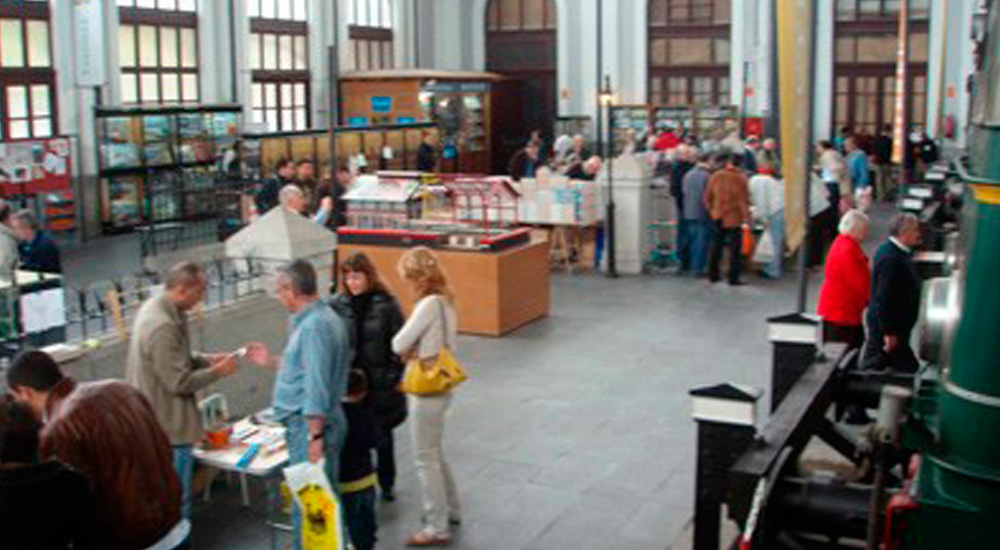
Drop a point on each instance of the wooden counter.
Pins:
(496, 292)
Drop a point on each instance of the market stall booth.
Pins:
(475, 111)
(499, 274)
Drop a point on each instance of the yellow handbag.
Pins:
(438, 375)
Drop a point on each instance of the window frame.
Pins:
(706, 29)
(494, 16)
(26, 75)
(293, 28)
(159, 19)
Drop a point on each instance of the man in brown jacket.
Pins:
(162, 366)
(727, 200)
(107, 432)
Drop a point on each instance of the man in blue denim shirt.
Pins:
(312, 377)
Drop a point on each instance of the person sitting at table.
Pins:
(38, 252)
(43, 504)
(109, 433)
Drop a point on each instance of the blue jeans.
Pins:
(297, 439)
(698, 237)
(183, 458)
(776, 224)
(359, 511)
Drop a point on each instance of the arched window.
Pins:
(370, 33)
(27, 79)
(521, 44)
(158, 50)
(866, 39)
(689, 52)
(279, 63)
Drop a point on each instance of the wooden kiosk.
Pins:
(495, 292)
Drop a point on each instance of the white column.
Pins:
(740, 30)
(322, 29)
(613, 17)
(213, 51)
(112, 92)
(449, 35)
(635, 53)
(935, 76)
(241, 62)
(477, 28)
(402, 28)
(765, 60)
(960, 42)
(823, 81)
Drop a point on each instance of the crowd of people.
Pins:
(117, 457)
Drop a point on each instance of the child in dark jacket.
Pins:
(357, 474)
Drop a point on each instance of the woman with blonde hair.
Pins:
(432, 326)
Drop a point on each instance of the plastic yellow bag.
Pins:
(321, 526)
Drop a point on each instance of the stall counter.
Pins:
(495, 292)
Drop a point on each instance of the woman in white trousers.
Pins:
(432, 326)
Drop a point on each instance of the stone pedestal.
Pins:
(631, 178)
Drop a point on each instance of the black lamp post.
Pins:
(608, 149)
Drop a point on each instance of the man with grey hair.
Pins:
(37, 251)
(162, 366)
(293, 199)
(895, 301)
(311, 375)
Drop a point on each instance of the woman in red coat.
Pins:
(847, 285)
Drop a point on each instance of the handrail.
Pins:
(966, 176)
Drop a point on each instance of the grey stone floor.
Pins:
(574, 431)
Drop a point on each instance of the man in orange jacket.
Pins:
(727, 199)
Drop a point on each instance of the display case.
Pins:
(574, 126)
(159, 163)
(629, 122)
(681, 119)
(383, 147)
(478, 113)
(711, 119)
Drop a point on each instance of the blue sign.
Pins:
(356, 121)
(381, 104)
(406, 120)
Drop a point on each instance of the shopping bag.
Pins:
(321, 526)
(747, 241)
(764, 252)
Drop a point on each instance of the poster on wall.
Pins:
(35, 165)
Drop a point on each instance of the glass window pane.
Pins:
(270, 95)
(254, 51)
(267, 9)
(285, 52)
(19, 129)
(11, 45)
(690, 51)
(286, 96)
(272, 119)
(300, 10)
(257, 116)
(287, 119)
(658, 13)
(918, 47)
(722, 9)
(301, 53)
(189, 47)
(168, 47)
(493, 16)
(510, 14)
(253, 8)
(534, 14)
(388, 60)
(300, 95)
(285, 9)
(301, 123)
(147, 4)
(17, 101)
(130, 90)
(363, 62)
(126, 45)
(41, 104)
(169, 5)
(42, 127)
(126, 2)
(721, 51)
(171, 87)
(877, 49)
(150, 87)
(38, 44)
(187, 5)
(189, 86)
(147, 46)
(257, 96)
(658, 52)
(270, 51)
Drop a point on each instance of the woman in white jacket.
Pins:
(432, 326)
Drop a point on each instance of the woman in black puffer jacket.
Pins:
(373, 317)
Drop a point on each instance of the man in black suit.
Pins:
(895, 301)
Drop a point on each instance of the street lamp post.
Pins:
(607, 101)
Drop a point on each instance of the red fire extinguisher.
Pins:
(949, 126)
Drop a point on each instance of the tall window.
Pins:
(279, 61)
(158, 50)
(370, 32)
(689, 52)
(865, 63)
(27, 79)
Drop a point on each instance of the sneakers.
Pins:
(425, 538)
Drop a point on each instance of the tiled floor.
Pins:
(573, 433)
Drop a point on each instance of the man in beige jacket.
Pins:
(162, 366)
